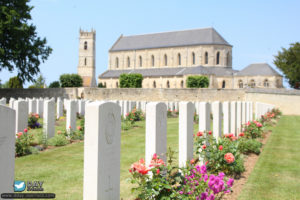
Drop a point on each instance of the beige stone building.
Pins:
(86, 62)
(166, 60)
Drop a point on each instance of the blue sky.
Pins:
(256, 29)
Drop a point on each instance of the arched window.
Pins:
(278, 83)
(154, 84)
(228, 59)
(193, 58)
(128, 62)
(166, 60)
(241, 85)
(179, 59)
(152, 60)
(181, 84)
(206, 58)
(117, 62)
(168, 84)
(85, 45)
(252, 83)
(266, 83)
(223, 84)
(218, 58)
(117, 84)
(84, 61)
(141, 61)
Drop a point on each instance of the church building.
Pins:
(166, 60)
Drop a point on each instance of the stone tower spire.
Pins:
(87, 65)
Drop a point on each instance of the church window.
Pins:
(152, 60)
(141, 61)
(252, 83)
(128, 62)
(266, 83)
(154, 84)
(218, 58)
(206, 58)
(278, 83)
(223, 84)
(179, 59)
(181, 84)
(193, 58)
(117, 84)
(117, 62)
(85, 45)
(84, 61)
(166, 60)
(241, 84)
(228, 59)
(168, 84)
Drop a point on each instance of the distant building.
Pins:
(86, 65)
(166, 60)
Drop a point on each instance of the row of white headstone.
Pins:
(102, 142)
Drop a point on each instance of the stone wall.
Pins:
(287, 100)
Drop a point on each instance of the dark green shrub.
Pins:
(131, 80)
(54, 84)
(70, 80)
(247, 146)
(100, 85)
(15, 82)
(197, 82)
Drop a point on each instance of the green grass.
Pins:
(276, 175)
(61, 168)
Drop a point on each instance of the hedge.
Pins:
(197, 82)
(131, 80)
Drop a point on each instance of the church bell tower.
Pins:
(86, 65)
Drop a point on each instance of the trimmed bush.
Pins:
(100, 85)
(15, 82)
(54, 84)
(197, 82)
(131, 80)
(70, 80)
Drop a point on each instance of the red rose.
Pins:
(157, 171)
(242, 134)
(192, 161)
(220, 147)
(25, 130)
(209, 132)
(229, 157)
(199, 134)
(204, 146)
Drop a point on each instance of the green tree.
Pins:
(197, 82)
(20, 47)
(131, 80)
(39, 82)
(70, 80)
(15, 82)
(288, 61)
(54, 84)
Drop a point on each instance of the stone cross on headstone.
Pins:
(102, 147)
(7, 148)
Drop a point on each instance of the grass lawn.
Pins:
(277, 172)
(61, 168)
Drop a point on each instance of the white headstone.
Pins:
(21, 107)
(49, 118)
(138, 105)
(204, 116)
(238, 117)
(217, 119)
(40, 107)
(247, 111)
(81, 107)
(3, 101)
(11, 103)
(244, 113)
(7, 149)
(71, 115)
(226, 117)
(233, 117)
(59, 108)
(186, 129)
(156, 130)
(176, 104)
(126, 108)
(143, 106)
(32, 106)
(102, 147)
(251, 110)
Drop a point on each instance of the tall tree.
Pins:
(288, 61)
(20, 47)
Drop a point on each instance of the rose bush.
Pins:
(33, 121)
(23, 142)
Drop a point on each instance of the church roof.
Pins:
(258, 69)
(171, 71)
(204, 36)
